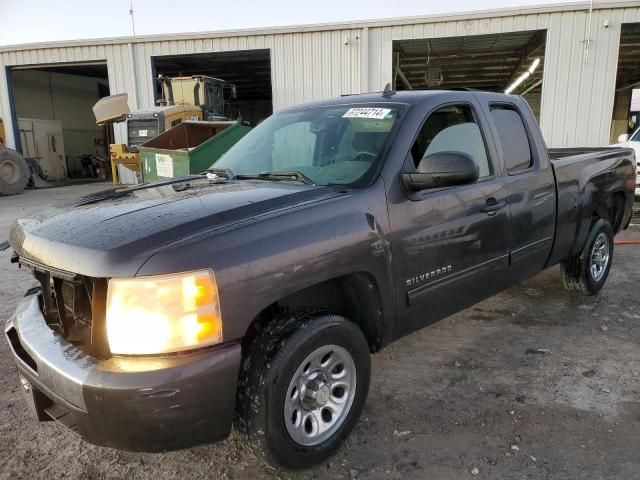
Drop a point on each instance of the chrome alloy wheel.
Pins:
(320, 395)
(599, 256)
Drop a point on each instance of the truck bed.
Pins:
(577, 172)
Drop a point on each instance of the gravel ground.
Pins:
(530, 384)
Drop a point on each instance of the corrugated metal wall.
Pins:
(305, 66)
(577, 98)
(116, 56)
(577, 93)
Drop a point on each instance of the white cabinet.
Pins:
(42, 140)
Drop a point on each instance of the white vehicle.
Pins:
(632, 142)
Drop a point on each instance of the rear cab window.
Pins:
(513, 138)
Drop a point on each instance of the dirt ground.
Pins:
(530, 384)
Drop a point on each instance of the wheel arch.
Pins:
(611, 208)
(356, 296)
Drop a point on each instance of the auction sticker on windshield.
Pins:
(376, 113)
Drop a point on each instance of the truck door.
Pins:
(449, 244)
(530, 185)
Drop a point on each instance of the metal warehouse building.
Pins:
(581, 63)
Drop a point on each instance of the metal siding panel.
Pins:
(278, 63)
(324, 76)
(307, 67)
(576, 76)
(356, 64)
(507, 24)
(495, 25)
(631, 15)
(386, 72)
(430, 30)
(543, 20)
(375, 57)
(557, 54)
(549, 79)
(530, 22)
(603, 61)
(519, 23)
(468, 27)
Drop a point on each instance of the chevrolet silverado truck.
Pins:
(254, 295)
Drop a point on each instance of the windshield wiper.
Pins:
(279, 176)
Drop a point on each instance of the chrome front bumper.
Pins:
(131, 403)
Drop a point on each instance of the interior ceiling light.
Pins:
(524, 76)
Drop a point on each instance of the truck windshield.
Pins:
(635, 137)
(328, 145)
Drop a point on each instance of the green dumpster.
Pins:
(188, 148)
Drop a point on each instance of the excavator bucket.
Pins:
(111, 109)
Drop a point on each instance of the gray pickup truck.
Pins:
(254, 295)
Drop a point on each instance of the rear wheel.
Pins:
(14, 172)
(302, 388)
(587, 273)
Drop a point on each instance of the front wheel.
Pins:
(303, 385)
(587, 273)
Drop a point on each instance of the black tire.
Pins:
(14, 172)
(577, 274)
(267, 374)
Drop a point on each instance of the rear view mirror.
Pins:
(624, 138)
(442, 169)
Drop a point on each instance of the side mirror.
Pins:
(442, 169)
(624, 138)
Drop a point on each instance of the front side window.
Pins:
(452, 129)
(513, 138)
(329, 145)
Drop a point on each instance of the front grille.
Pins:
(141, 130)
(66, 301)
(69, 303)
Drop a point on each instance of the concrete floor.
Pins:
(530, 384)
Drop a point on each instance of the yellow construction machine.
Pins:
(191, 98)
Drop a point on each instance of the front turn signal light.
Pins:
(163, 314)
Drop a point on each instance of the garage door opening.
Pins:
(626, 107)
(53, 119)
(511, 62)
(249, 71)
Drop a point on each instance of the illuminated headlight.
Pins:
(163, 314)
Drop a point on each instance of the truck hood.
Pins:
(112, 233)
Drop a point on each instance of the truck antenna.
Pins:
(388, 91)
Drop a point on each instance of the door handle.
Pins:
(492, 205)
